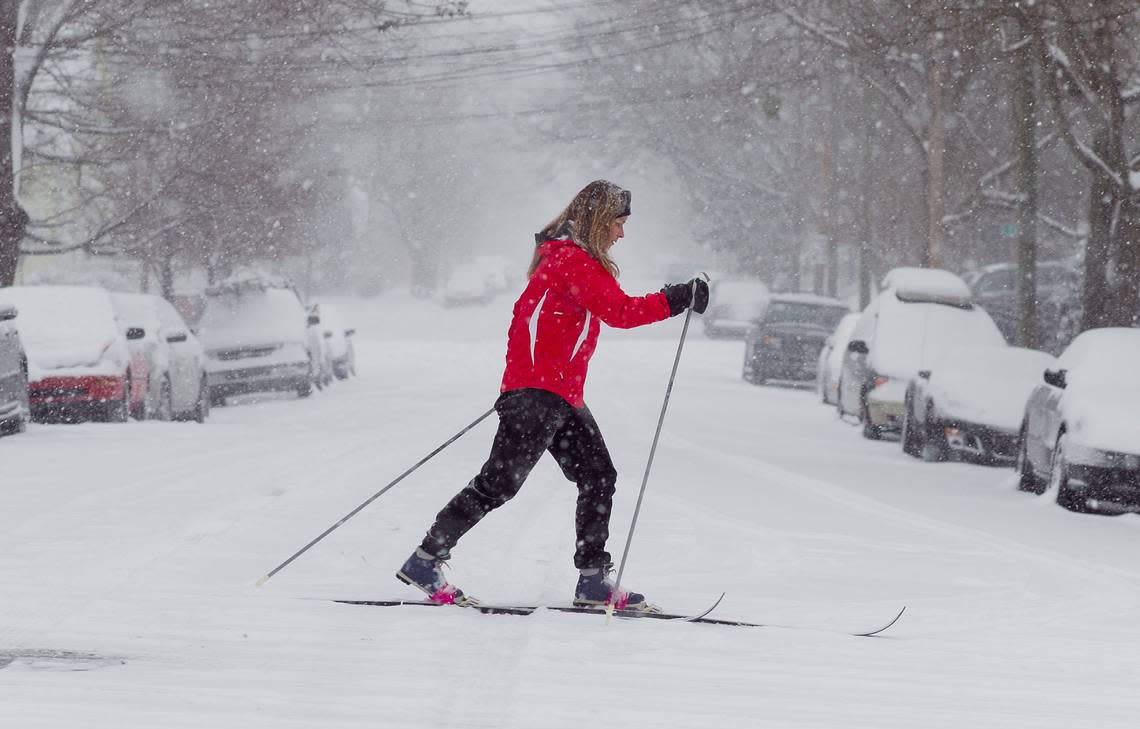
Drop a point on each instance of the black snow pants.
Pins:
(532, 421)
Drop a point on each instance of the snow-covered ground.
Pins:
(129, 553)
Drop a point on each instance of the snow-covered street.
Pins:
(129, 556)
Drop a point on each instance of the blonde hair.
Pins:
(587, 221)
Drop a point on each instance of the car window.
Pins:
(785, 312)
(996, 281)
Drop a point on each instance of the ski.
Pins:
(698, 618)
(529, 609)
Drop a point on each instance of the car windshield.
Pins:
(786, 312)
(252, 318)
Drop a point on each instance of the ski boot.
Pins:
(596, 589)
(425, 572)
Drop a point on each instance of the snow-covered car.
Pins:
(1080, 433)
(784, 341)
(186, 364)
(79, 365)
(734, 304)
(477, 281)
(1058, 285)
(831, 359)
(916, 316)
(970, 402)
(13, 373)
(255, 334)
(149, 360)
(339, 336)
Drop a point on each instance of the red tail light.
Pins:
(879, 381)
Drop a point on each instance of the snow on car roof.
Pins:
(1108, 351)
(65, 326)
(252, 318)
(908, 335)
(928, 284)
(59, 314)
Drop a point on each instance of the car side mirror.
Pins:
(7, 313)
(924, 374)
(858, 346)
(349, 332)
(177, 337)
(134, 333)
(328, 335)
(1056, 378)
(314, 320)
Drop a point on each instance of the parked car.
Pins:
(918, 315)
(339, 337)
(970, 402)
(733, 305)
(1058, 286)
(79, 366)
(477, 281)
(186, 364)
(149, 360)
(831, 359)
(784, 341)
(255, 333)
(1079, 434)
(13, 373)
(322, 371)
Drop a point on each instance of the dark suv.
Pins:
(784, 341)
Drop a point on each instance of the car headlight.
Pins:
(1097, 457)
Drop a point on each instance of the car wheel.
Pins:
(142, 412)
(217, 400)
(934, 446)
(870, 430)
(202, 406)
(1059, 479)
(909, 432)
(120, 411)
(165, 409)
(1026, 479)
(305, 389)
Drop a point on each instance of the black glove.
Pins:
(682, 296)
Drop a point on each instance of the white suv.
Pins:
(255, 334)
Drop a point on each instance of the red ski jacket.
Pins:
(557, 319)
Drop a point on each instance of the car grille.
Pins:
(244, 352)
(249, 373)
(50, 393)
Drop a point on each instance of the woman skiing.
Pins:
(572, 288)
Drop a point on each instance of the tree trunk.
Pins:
(13, 219)
(1097, 245)
(866, 225)
(830, 183)
(1025, 139)
(936, 147)
(1124, 302)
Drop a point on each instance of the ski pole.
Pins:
(652, 451)
(372, 498)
